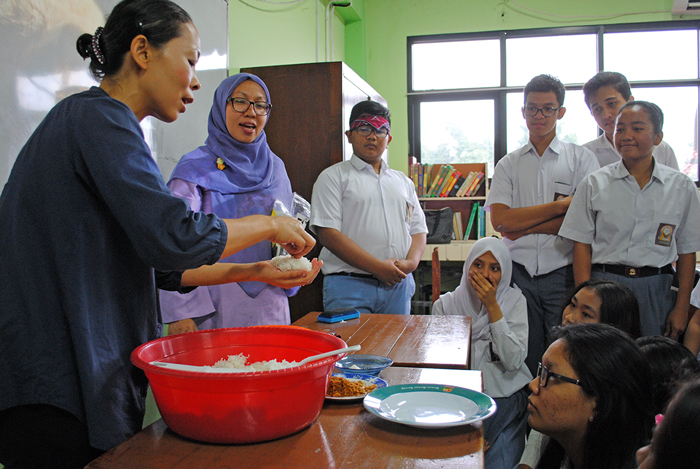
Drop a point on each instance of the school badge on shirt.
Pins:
(664, 233)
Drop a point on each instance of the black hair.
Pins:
(599, 80)
(675, 444)
(545, 84)
(613, 371)
(618, 305)
(159, 20)
(671, 365)
(372, 108)
(654, 112)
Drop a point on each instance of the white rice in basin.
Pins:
(238, 362)
(285, 263)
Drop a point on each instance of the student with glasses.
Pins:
(595, 301)
(368, 218)
(592, 397)
(235, 174)
(530, 193)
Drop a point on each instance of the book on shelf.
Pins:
(445, 181)
(454, 175)
(470, 192)
(436, 180)
(481, 225)
(467, 183)
(460, 227)
(458, 184)
(419, 178)
(439, 180)
(478, 185)
(472, 218)
(455, 233)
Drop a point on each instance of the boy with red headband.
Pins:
(368, 218)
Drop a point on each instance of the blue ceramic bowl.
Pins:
(364, 364)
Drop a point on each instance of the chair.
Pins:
(436, 274)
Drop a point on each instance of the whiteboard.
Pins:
(40, 66)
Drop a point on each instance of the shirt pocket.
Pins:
(409, 210)
(663, 231)
(561, 190)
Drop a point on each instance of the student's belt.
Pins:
(351, 274)
(634, 272)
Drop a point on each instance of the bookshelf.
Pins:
(459, 250)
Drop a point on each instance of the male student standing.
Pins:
(530, 193)
(604, 94)
(368, 218)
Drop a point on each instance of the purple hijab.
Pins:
(250, 182)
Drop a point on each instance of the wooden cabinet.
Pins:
(311, 106)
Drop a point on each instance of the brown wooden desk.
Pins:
(411, 340)
(344, 436)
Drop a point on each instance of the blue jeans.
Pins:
(505, 431)
(545, 295)
(368, 295)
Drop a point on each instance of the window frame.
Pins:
(499, 93)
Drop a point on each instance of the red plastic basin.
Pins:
(239, 407)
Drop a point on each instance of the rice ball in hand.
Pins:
(287, 262)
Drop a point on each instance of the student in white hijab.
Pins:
(498, 344)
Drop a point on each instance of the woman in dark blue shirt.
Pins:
(85, 218)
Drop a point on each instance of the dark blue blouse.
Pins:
(85, 217)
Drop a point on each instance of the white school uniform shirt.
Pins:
(607, 154)
(695, 296)
(380, 212)
(629, 226)
(507, 337)
(523, 179)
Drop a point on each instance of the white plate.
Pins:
(366, 379)
(429, 405)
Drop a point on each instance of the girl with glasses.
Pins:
(234, 174)
(593, 398)
(593, 301)
(499, 344)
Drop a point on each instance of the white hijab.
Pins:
(464, 300)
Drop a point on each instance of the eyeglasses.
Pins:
(546, 111)
(261, 108)
(365, 130)
(544, 374)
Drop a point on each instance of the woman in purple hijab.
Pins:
(233, 175)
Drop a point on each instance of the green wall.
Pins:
(371, 35)
(390, 22)
(267, 34)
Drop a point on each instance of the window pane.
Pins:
(652, 55)
(577, 126)
(457, 132)
(531, 56)
(461, 64)
(680, 108)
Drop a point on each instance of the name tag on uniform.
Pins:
(664, 233)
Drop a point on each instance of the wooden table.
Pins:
(411, 340)
(344, 436)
